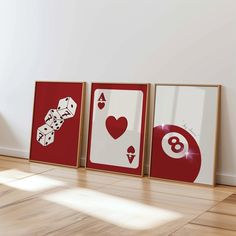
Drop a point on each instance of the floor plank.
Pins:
(188, 190)
(228, 206)
(181, 203)
(85, 175)
(23, 166)
(216, 220)
(225, 188)
(36, 185)
(94, 227)
(198, 230)
(32, 217)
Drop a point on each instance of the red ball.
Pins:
(175, 154)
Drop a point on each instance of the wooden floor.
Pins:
(38, 199)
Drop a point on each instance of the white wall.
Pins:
(165, 41)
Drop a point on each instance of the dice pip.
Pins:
(45, 135)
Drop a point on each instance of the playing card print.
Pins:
(56, 128)
(184, 133)
(117, 118)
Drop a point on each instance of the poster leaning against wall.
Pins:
(117, 127)
(185, 132)
(57, 123)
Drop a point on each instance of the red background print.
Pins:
(64, 149)
(163, 166)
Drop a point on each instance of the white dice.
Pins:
(45, 135)
(53, 119)
(66, 107)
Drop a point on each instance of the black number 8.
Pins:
(176, 145)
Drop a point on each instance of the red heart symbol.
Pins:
(116, 127)
(131, 149)
(101, 105)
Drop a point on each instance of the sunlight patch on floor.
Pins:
(115, 210)
(12, 174)
(35, 183)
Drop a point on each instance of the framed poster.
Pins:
(57, 123)
(117, 126)
(184, 140)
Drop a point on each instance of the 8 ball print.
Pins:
(117, 127)
(57, 123)
(184, 141)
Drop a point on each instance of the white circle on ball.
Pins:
(167, 147)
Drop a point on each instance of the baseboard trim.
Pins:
(226, 179)
(14, 152)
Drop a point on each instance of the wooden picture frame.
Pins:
(185, 133)
(117, 127)
(57, 123)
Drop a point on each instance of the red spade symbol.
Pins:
(116, 127)
(130, 158)
(101, 105)
(130, 154)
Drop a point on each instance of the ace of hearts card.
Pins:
(57, 123)
(117, 126)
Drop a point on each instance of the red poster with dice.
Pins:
(184, 137)
(57, 121)
(117, 127)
